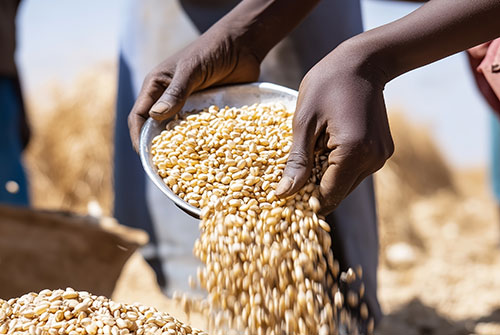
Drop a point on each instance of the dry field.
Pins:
(439, 257)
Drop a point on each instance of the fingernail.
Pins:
(160, 107)
(284, 185)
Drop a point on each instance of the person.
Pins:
(14, 130)
(138, 202)
(485, 64)
(340, 98)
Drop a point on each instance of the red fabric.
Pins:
(485, 62)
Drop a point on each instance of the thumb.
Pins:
(339, 179)
(300, 160)
(174, 97)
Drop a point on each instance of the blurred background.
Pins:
(71, 37)
(438, 220)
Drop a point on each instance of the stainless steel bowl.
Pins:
(234, 96)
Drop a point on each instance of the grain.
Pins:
(72, 312)
(269, 268)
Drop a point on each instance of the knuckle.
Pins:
(153, 77)
(156, 79)
(297, 159)
(357, 148)
(370, 150)
(176, 91)
(150, 77)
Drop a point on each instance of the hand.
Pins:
(215, 58)
(340, 108)
(476, 59)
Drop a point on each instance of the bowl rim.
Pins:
(144, 146)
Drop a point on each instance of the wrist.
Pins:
(356, 58)
(258, 25)
(238, 37)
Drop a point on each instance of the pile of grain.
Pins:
(77, 313)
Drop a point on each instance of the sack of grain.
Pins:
(50, 250)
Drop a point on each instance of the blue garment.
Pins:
(495, 156)
(129, 178)
(11, 168)
(130, 206)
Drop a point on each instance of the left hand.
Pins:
(215, 58)
(340, 108)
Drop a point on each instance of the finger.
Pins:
(326, 207)
(175, 95)
(321, 144)
(135, 123)
(301, 158)
(339, 179)
(151, 91)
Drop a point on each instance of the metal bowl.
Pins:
(234, 96)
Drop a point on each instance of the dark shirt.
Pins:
(8, 9)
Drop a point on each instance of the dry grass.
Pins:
(70, 155)
(416, 170)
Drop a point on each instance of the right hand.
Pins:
(340, 111)
(215, 58)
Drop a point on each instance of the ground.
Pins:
(451, 286)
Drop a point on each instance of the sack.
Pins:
(47, 249)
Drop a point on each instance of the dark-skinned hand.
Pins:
(340, 110)
(341, 98)
(229, 52)
(213, 59)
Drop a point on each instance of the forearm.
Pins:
(436, 30)
(261, 24)
(409, 0)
